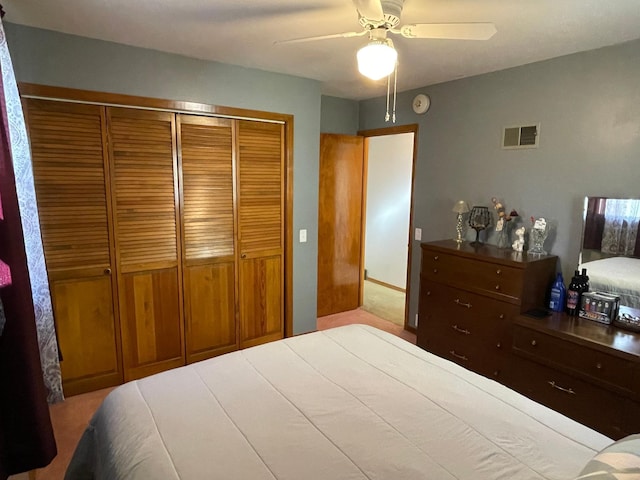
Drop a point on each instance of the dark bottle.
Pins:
(585, 280)
(574, 292)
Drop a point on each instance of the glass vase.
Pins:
(537, 236)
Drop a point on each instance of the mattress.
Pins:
(352, 402)
(617, 275)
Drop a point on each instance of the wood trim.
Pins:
(178, 203)
(113, 252)
(385, 284)
(235, 142)
(363, 216)
(178, 106)
(288, 237)
(411, 229)
(132, 101)
(379, 132)
(398, 129)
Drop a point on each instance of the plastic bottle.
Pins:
(574, 293)
(558, 294)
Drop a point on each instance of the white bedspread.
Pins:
(616, 275)
(348, 403)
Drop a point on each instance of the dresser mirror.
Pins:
(610, 248)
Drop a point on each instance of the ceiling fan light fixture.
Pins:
(377, 59)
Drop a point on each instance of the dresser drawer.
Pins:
(479, 275)
(588, 363)
(457, 312)
(485, 359)
(631, 417)
(589, 404)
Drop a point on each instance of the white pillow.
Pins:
(618, 461)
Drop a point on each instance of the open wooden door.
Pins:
(340, 223)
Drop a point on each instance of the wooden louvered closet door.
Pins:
(145, 202)
(260, 186)
(70, 174)
(206, 156)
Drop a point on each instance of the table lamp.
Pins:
(460, 208)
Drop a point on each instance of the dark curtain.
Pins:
(26, 434)
(594, 223)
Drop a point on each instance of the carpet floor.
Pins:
(384, 302)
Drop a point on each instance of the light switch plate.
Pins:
(303, 235)
(418, 234)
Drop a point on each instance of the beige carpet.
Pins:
(384, 302)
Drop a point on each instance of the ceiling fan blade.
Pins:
(322, 37)
(370, 9)
(452, 31)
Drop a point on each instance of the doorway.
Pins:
(387, 217)
(342, 222)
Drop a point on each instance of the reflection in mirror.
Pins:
(611, 247)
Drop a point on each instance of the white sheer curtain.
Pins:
(620, 226)
(21, 157)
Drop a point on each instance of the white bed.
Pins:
(616, 275)
(348, 403)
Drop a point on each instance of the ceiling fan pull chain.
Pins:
(386, 117)
(395, 89)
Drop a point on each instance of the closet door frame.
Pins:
(31, 90)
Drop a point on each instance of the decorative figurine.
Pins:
(518, 244)
(502, 223)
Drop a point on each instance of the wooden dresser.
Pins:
(583, 369)
(469, 296)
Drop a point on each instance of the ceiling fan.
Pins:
(378, 58)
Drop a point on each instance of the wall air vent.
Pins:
(521, 137)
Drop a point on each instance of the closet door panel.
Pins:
(261, 301)
(149, 313)
(260, 181)
(206, 160)
(68, 144)
(86, 333)
(145, 195)
(211, 310)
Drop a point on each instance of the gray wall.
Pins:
(339, 115)
(50, 58)
(588, 105)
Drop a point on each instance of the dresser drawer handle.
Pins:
(436, 258)
(534, 343)
(457, 355)
(497, 287)
(562, 389)
(501, 316)
(498, 272)
(435, 270)
(599, 366)
(461, 330)
(462, 304)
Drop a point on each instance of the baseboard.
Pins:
(384, 284)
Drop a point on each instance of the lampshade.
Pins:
(460, 207)
(377, 59)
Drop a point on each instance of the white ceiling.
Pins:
(242, 32)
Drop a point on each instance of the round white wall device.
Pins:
(421, 103)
